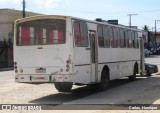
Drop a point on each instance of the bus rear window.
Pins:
(41, 32)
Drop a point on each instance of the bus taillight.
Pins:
(67, 65)
(15, 67)
(68, 61)
(15, 63)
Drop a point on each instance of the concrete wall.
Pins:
(7, 18)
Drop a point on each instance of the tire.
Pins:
(149, 72)
(63, 86)
(105, 82)
(133, 77)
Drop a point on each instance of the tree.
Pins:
(145, 28)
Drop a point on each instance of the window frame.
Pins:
(116, 37)
(130, 39)
(136, 40)
(122, 38)
(103, 34)
(36, 25)
(81, 35)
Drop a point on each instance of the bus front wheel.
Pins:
(63, 86)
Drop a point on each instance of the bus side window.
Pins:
(100, 36)
(111, 37)
(84, 34)
(81, 34)
(103, 36)
(77, 34)
(106, 36)
(25, 36)
(116, 36)
(136, 40)
(133, 39)
(126, 39)
(130, 39)
(122, 39)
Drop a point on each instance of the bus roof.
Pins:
(71, 17)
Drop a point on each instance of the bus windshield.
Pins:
(41, 32)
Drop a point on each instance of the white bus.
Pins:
(70, 51)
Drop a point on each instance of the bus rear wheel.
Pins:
(63, 86)
(105, 82)
(133, 77)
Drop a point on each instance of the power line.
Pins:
(107, 13)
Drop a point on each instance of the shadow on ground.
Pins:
(81, 92)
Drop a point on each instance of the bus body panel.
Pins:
(49, 63)
(83, 66)
(45, 63)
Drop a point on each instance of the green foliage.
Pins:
(145, 28)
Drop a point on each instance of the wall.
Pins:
(7, 18)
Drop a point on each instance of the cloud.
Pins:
(18, 1)
(47, 4)
(35, 4)
(50, 4)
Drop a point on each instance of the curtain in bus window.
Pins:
(25, 36)
(61, 37)
(77, 34)
(51, 37)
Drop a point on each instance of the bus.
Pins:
(68, 51)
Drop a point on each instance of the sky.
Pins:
(147, 10)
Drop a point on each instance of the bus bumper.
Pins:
(43, 78)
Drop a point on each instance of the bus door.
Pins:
(94, 56)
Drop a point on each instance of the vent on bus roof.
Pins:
(100, 20)
(115, 22)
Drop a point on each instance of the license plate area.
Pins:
(40, 70)
(41, 78)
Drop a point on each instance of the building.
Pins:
(153, 39)
(7, 18)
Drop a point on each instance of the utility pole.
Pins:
(24, 6)
(156, 21)
(130, 15)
